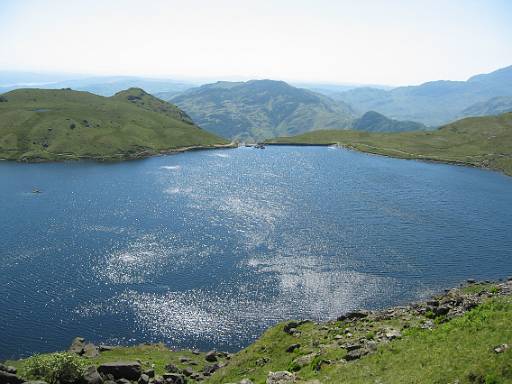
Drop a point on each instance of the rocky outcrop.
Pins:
(121, 370)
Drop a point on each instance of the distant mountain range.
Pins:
(494, 106)
(100, 85)
(60, 124)
(260, 109)
(433, 103)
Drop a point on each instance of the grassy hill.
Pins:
(494, 106)
(477, 141)
(42, 125)
(461, 336)
(261, 109)
(433, 103)
(375, 122)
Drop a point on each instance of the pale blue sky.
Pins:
(386, 42)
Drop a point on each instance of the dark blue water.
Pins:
(206, 249)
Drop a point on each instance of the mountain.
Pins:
(260, 109)
(494, 106)
(477, 141)
(100, 85)
(375, 122)
(38, 124)
(433, 103)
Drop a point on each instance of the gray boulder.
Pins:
(211, 356)
(174, 378)
(280, 377)
(8, 368)
(90, 350)
(130, 370)
(9, 378)
(91, 376)
(355, 354)
(77, 345)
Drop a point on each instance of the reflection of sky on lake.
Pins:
(207, 249)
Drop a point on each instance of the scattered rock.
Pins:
(354, 315)
(91, 376)
(392, 334)
(304, 360)
(143, 379)
(174, 378)
(292, 348)
(210, 369)
(262, 361)
(351, 347)
(196, 351)
(90, 350)
(245, 381)
(171, 368)
(355, 354)
(8, 369)
(188, 372)
(149, 372)
(103, 348)
(122, 370)
(77, 345)
(501, 348)
(371, 346)
(9, 378)
(442, 310)
(280, 377)
(211, 356)
(123, 381)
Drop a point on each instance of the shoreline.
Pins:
(64, 157)
(413, 157)
(310, 348)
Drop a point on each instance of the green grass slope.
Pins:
(457, 351)
(477, 141)
(451, 338)
(375, 122)
(44, 125)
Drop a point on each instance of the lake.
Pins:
(206, 249)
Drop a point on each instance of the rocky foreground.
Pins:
(462, 335)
